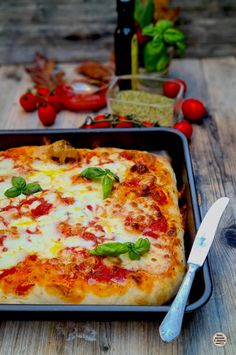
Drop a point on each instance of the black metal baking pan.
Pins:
(169, 141)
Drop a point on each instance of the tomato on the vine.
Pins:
(28, 102)
(193, 109)
(123, 118)
(184, 127)
(101, 125)
(100, 118)
(124, 124)
(147, 124)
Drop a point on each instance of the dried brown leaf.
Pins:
(43, 73)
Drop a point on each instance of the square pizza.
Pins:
(81, 226)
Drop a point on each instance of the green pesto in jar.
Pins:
(144, 106)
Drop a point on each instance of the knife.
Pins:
(170, 327)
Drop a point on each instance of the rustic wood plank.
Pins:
(212, 154)
(75, 30)
(214, 164)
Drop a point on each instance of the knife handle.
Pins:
(170, 327)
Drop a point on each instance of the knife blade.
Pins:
(170, 327)
(206, 232)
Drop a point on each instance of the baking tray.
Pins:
(155, 140)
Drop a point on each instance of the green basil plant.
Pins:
(163, 38)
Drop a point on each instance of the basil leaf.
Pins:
(159, 47)
(163, 25)
(149, 31)
(158, 38)
(181, 48)
(134, 250)
(143, 13)
(163, 61)
(133, 254)
(142, 246)
(107, 184)
(18, 182)
(31, 188)
(12, 192)
(110, 249)
(109, 172)
(93, 173)
(150, 56)
(172, 36)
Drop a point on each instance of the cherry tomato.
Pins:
(54, 100)
(101, 125)
(43, 91)
(42, 95)
(183, 82)
(28, 102)
(47, 114)
(100, 118)
(147, 124)
(123, 118)
(193, 109)
(124, 125)
(171, 88)
(184, 127)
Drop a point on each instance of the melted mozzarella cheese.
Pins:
(42, 236)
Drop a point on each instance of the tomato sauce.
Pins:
(157, 226)
(41, 210)
(8, 272)
(159, 196)
(28, 201)
(132, 183)
(89, 236)
(68, 200)
(2, 237)
(103, 273)
(4, 222)
(35, 231)
(60, 278)
(126, 155)
(23, 289)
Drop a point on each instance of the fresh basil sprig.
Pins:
(134, 250)
(92, 173)
(108, 178)
(163, 36)
(31, 188)
(19, 186)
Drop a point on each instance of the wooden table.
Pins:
(214, 162)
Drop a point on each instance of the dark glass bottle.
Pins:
(124, 33)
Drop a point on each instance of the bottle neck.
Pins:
(125, 11)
